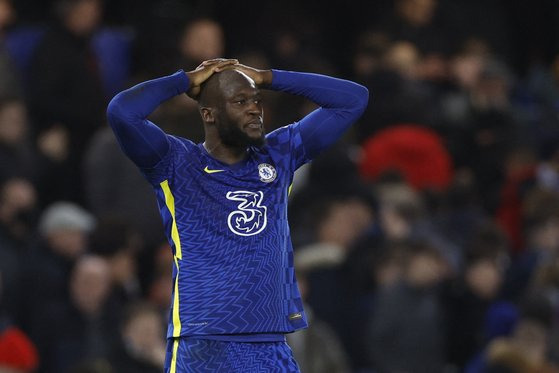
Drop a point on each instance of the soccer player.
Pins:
(224, 206)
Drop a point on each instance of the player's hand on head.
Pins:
(203, 72)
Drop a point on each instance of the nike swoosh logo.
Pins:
(207, 170)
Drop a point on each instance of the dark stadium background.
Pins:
(426, 240)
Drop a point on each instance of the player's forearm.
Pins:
(136, 103)
(342, 103)
(326, 91)
(140, 139)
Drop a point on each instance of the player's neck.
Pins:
(224, 153)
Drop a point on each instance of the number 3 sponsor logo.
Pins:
(250, 217)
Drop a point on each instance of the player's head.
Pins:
(230, 105)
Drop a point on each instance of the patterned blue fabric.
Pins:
(235, 271)
(202, 355)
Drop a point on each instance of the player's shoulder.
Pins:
(281, 135)
(181, 146)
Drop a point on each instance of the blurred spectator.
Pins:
(368, 55)
(66, 96)
(114, 187)
(472, 295)
(17, 209)
(393, 67)
(371, 267)
(339, 223)
(316, 349)
(197, 40)
(541, 227)
(116, 241)
(526, 349)
(159, 293)
(400, 208)
(403, 215)
(10, 85)
(417, 21)
(500, 321)
(401, 340)
(202, 39)
(17, 156)
(459, 212)
(486, 127)
(143, 342)
(63, 231)
(83, 328)
(547, 173)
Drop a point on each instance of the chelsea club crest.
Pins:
(267, 172)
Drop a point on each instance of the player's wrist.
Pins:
(267, 77)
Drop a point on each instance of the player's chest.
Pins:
(255, 174)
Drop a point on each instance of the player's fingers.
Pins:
(217, 60)
(226, 65)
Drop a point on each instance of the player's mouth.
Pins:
(254, 125)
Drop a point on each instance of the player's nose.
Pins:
(255, 106)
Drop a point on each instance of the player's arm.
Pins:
(140, 139)
(341, 103)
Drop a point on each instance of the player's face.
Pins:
(241, 123)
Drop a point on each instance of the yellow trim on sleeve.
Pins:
(289, 189)
(170, 202)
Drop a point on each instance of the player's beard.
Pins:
(233, 136)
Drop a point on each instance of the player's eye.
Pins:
(241, 102)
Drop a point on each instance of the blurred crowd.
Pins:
(426, 240)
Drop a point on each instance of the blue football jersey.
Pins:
(227, 225)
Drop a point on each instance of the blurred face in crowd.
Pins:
(424, 270)
(403, 57)
(345, 222)
(69, 243)
(417, 12)
(17, 205)
(13, 122)
(7, 13)
(545, 236)
(202, 40)
(465, 70)
(83, 16)
(123, 266)
(484, 278)
(530, 337)
(144, 334)
(395, 226)
(91, 284)
(388, 273)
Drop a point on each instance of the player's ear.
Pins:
(207, 114)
